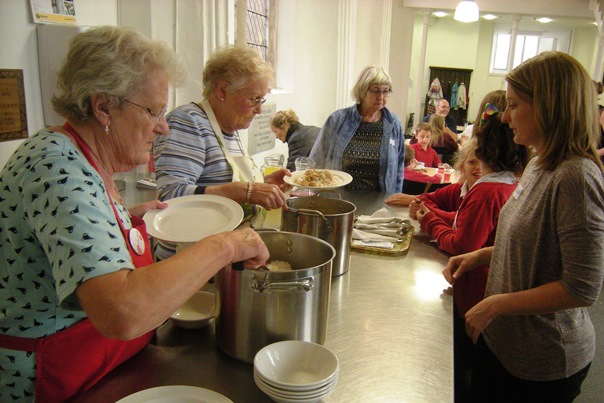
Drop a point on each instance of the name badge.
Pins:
(136, 241)
(518, 191)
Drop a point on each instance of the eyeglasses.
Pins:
(377, 92)
(156, 116)
(254, 102)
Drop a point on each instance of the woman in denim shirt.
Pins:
(365, 140)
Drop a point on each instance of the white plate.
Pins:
(191, 218)
(342, 177)
(175, 394)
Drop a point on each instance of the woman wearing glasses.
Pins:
(365, 140)
(79, 292)
(203, 153)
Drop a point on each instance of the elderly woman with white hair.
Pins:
(79, 291)
(204, 153)
(365, 140)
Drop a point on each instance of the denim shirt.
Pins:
(341, 126)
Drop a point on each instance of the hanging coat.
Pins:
(454, 96)
(435, 93)
(462, 96)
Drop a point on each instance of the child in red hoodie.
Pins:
(475, 223)
(422, 146)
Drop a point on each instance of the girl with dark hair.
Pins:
(475, 224)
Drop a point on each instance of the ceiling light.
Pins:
(543, 20)
(439, 14)
(466, 11)
(489, 17)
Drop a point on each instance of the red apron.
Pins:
(71, 361)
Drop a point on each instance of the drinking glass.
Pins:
(304, 163)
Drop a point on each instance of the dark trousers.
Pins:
(463, 352)
(492, 383)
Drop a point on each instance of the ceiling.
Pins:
(565, 13)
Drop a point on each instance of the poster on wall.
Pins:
(13, 119)
(53, 11)
(260, 135)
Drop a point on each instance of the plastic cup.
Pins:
(448, 174)
(441, 168)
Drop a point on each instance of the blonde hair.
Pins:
(370, 75)
(464, 153)
(238, 66)
(423, 126)
(284, 119)
(114, 61)
(409, 154)
(564, 101)
(437, 122)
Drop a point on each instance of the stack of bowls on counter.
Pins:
(296, 371)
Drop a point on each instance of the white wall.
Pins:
(312, 91)
(19, 50)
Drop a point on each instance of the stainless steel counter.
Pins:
(389, 324)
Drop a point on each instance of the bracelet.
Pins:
(248, 196)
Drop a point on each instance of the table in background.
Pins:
(389, 324)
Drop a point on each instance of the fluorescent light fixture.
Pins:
(543, 20)
(489, 17)
(439, 14)
(466, 11)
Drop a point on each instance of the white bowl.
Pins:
(291, 394)
(197, 312)
(296, 365)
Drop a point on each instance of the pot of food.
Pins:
(326, 218)
(260, 307)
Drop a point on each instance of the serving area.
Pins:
(389, 324)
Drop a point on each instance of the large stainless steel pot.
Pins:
(260, 307)
(326, 218)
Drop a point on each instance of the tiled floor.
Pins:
(593, 387)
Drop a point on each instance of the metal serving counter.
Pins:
(389, 324)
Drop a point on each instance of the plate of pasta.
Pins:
(319, 179)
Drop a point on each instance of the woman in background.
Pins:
(365, 140)
(535, 341)
(203, 153)
(299, 138)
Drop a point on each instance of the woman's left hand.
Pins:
(480, 316)
(140, 209)
(276, 178)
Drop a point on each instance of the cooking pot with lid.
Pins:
(260, 307)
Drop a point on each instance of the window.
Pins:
(256, 26)
(527, 46)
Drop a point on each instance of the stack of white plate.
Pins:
(296, 371)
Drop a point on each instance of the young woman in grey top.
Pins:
(534, 334)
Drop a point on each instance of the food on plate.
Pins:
(317, 177)
(278, 265)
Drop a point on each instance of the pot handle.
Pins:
(306, 284)
(311, 212)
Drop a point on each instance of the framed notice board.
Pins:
(13, 117)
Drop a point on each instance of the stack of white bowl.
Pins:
(296, 371)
